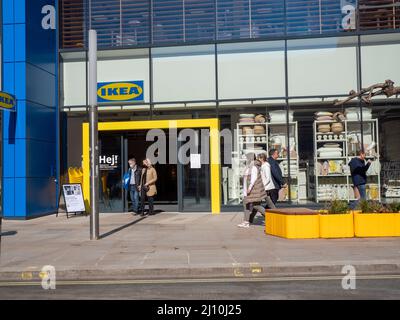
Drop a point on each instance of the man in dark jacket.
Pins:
(358, 170)
(134, 181)
(276, 174)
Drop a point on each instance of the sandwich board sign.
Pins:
(73, 197)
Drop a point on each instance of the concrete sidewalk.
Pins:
(179, 246)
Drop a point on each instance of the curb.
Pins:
(203, 273)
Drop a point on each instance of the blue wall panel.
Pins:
(9, 123)
(38, 164)
(20, 34)
(40, 86)
(41, 196)
(20, 158)
(8, 11)
(20, 120)
(20, 80)
(20, 198)
(8, 43)
(19, 11)
(37, 118)
(30, 134)
(41, 44)
(9, 160)
(9, 197)
(9, 82)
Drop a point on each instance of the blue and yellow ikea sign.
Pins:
(7, 101)
(120, 91)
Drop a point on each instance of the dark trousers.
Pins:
(274, 194)
(150, 200)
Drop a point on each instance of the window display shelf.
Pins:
(331, 158)
(275, 136)
(350, 143)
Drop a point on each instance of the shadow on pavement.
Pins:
(8, 233)
(109, 233)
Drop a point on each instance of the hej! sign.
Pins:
(7, 101)
(120, 91)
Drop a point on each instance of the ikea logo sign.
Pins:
(7, 101)
(120, 91)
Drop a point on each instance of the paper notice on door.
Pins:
(195, 161)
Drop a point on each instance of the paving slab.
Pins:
(170, 245)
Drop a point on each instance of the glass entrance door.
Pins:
(193, 171)
(110, 182)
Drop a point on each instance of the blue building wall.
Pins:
(30, 135)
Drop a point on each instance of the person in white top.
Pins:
(253, 188)
(268, 183)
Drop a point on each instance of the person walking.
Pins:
(253, 188)
(358, 170)
(134, 174)
(147, 187)
(276, 174)
(267, 180)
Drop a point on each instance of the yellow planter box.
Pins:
(376, 224)
(336, 225)
(292, 226)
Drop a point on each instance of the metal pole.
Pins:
(94, 157)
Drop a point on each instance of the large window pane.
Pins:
(322, 66)
(184, 73)
(135, 22)
(168, 21)
(380, 59)
(251, 70)
(199, 20)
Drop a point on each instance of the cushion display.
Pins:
(323, 113)
(247, 115)
(260, 119)
(332, 154)
(324, 128)
(331, 145)
(324, 118)
(246, 120)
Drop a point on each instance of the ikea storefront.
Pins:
(243, 75)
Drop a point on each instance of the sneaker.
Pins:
(244, 224)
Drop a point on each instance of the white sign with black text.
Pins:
(73, 197)
(195, 161)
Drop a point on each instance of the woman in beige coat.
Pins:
(147, 186)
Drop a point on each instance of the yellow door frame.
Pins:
(212, 124)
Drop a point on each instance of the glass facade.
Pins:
(126, 23)
(236, 60)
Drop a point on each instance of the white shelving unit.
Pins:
(338, 184)
(259, 143)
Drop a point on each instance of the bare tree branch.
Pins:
(387, 88)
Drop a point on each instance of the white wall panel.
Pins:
(322, 71)
(184, 74)
(379, 63)
(74, 83)
(246, 74)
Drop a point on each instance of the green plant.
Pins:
(337, 207)
(394, 207)
(368, 206)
